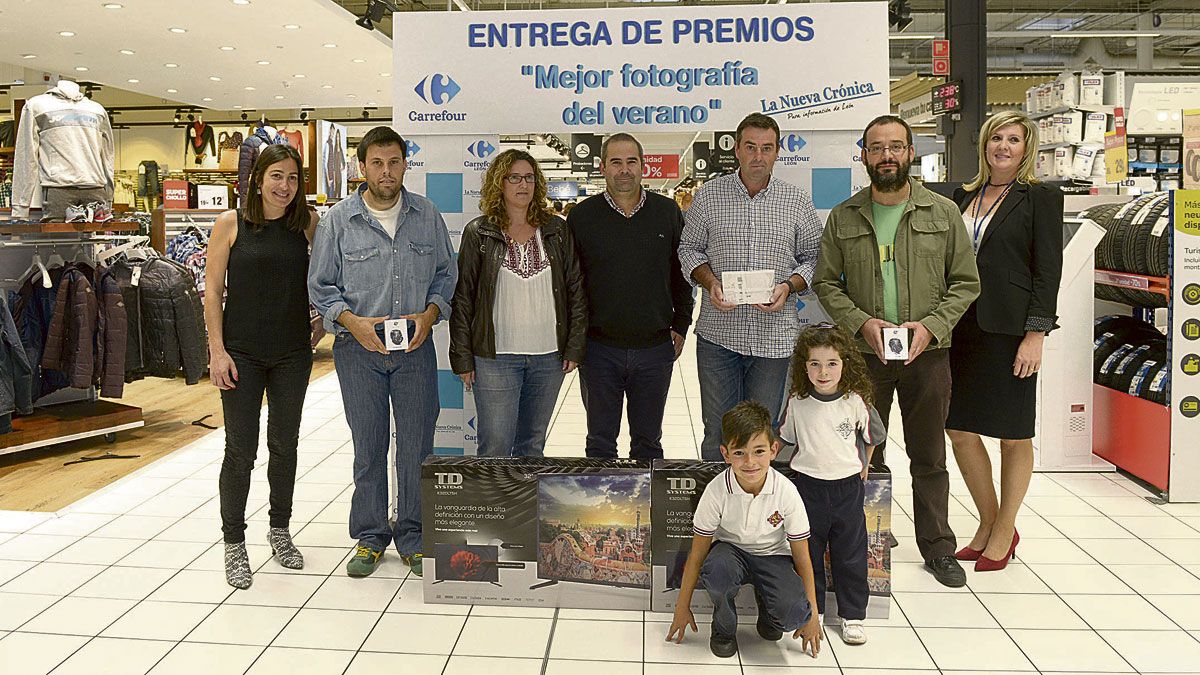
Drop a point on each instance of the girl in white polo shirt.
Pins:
(830, 420)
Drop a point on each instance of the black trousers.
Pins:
(924, 390)
(836, 520)
(284, 380)
(642, 378)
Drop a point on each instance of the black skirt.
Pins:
(985, 397)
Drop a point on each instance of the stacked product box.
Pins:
(675, 492)
(537, 532)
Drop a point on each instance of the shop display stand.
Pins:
(1154, 442)
(69, 414)
(168, 223)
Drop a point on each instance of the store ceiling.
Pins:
(230, 53)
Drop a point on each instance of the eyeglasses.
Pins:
(894, 148)
(515, 178)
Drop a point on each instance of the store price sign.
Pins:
(1185, 366)
(947, 98)
(657, 167)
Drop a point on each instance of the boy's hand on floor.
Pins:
(683, 619)
(811, 632)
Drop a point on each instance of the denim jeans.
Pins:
(514, 400)
(777, 587)
(284, 380)
(369, 382)
(610, 375)
(728, 378)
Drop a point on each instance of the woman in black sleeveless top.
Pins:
(259, 343)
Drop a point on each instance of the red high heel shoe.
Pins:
(967, 554)
(985, 564)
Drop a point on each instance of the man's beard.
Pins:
(889, 182)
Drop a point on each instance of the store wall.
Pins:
(161, 144)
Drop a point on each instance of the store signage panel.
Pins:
(645, 69)
(1185, 357)
(947, 98)
(1116, 156)
(1191, 150)
(656, 166)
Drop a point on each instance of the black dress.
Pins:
(1020, 264)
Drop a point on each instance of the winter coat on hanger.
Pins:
(33, 309)
(86, 338)
(16, 375)
(169, 323)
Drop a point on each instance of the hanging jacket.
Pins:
(248, 154)
(70, 342)
(64, 140)
(112, 336)
(16, 375)
(166, 331)
(33, 308)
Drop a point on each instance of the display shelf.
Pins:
(60, 228)
(166, 223)
(69, 422)
(1140, 282)
(1065, 109)
(7, 150)
(221, 172)
(1133, 433)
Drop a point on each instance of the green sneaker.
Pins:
(364, 562)
(414, 562)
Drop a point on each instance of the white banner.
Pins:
(811, 66)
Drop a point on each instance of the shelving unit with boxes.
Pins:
(1072, 113)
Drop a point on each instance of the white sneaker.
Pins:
(853, 632)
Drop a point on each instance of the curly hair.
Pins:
(491, 200)
(855, 377)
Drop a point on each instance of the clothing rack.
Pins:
(168, 223)
(68, 414)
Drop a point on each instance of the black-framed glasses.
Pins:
(894, 148)
(515, 178)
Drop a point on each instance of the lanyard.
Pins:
(978, 205)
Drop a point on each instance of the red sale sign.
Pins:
(660, 166)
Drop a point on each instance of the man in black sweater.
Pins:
(639, 304)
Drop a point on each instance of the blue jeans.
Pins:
(777, 587)
(514, 400)
(728, 378)
(369, 381)
(609, 375)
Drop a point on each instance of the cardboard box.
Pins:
(676, 486)
(1064, 162)
(1094, 127)
(537, 532)
(179, 194)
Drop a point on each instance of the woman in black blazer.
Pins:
(1015, 225)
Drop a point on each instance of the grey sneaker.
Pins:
(285, 551)
(237, 566)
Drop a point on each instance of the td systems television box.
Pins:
(537, 532)
(676, 486)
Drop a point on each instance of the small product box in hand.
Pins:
(895, 344)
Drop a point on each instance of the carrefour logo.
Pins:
(441, 89)
(481, 149)
(792, 142)
(411, 148)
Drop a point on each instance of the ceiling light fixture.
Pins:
(278, 97)
(206, 99)
(327, 86)
(172, 91)
(899, 15)
(374, 12)
(112, 5)
(133, 80)
(29, 56)
(329, 45)
(170, 65)
(291, 26)
(249, 88)
(214, 78)
(359, 60)
(128, 52)
(264, 63)
(299, 76)
(82, 69)
(385, 74)
(226, 48)
(1080, 34)
(303, 115)
(241, 2)
(66, 33)
(177, 30)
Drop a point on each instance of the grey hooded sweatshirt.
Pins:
(64, 140)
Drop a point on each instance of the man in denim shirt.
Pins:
(384, 253)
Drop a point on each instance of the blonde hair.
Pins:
(1025, 172)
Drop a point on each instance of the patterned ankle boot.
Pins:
(283, 548)
(237, 566)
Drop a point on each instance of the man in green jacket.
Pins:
(896, 254)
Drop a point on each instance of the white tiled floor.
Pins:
(130, 581)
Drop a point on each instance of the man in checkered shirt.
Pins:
(746, 221)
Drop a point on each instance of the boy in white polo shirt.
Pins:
(760, 529)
